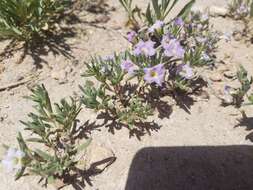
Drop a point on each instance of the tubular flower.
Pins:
(145, 48)
(128, 67)
(185, 71)
(155, 74)
(156, 27)
(12, 161)
(172, 47)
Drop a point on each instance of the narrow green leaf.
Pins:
(44, 155)
(251, 9)
(37, 140)
(20, 173)
(186, 10)
(83, 146)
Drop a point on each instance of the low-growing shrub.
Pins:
(59, 151)
(240, 9)
(161, 59)
(236, 96)
(26, 19)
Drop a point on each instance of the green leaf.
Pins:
(186, 10)
(20, 173)
(83, 146)
(157, 9)
(44, 155)
(37, 140)
(149, 15)
(251, 9)
(51, 180)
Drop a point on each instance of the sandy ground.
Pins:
(205, 140)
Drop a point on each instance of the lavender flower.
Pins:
(227, 98)
(131, 36)
(172, 47)
(155, 74)
(12, 161)
(145, 48)
(156, 27)
(243, 9)
(205, 57)
(204, 17)
(128, 67)
(179, 22)
(185, 71)
(227, 89)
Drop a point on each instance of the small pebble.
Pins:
(218, 11)
(216, 78)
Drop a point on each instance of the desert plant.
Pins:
(161, 59)
(54, 128)
(156, 10)
(235, 96)
(26, 19)
(240, 9)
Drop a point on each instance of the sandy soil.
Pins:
(196, 146)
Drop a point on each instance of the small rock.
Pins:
(68, 69)
(61, 76)
(98, 158)
(237, 36)
(229, 74)
(218, 11)
(223, 68)
(197, 9)
(102, 19)
(216, 77)
(5, 116)
(2, 118)
(75, 62)
(19, 78)
(2, 68)
(116, 26)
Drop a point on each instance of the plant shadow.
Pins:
(56, 41)
(140, 130)
(246, 122)
(82, 178)
(81, 175)
(53, 42)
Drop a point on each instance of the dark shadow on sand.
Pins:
(192, 168)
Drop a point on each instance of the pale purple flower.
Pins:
(172, 47)
(184, 70)
(228, 98)
(205, 57)
(129, 67)
(243, 9)
(12, 161)
(155, 74)
(179, 22)
(145, 48)
(131, 36)
(227, 89)
(204, 17)
(157, 26)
